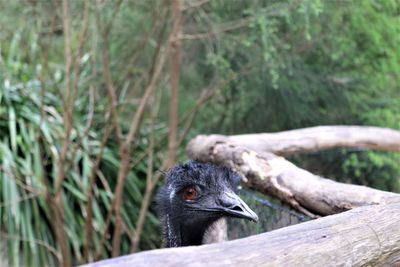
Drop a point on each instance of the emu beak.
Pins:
(234, 206)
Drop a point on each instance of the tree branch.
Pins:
(365, 236)
(175, 61)
(322, 138)
(275, 176)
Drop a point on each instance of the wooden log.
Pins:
(365, 236)
(277, 177)
(321, 138)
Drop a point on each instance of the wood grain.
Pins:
(277, 177)
(365, 236)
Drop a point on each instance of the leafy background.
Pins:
(268, 66)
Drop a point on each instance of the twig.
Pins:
(229, 26)
(139, 50)
(77, 65)
(107, 74)
(207, 94)
(108, 27)
(57, 206)
(36, 241)
(124, 147)
(89, 122)
(125, 150)
(194, 4)
(46, 50)
(89, 193)
(20, 183)
(104, 181)
(82, 40)
(150, 184)
(21, 199)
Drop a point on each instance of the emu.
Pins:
(194, 196)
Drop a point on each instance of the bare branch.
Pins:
(112, 96)
(154, 23)
(21, 199)
(206, 95)
(89, 194)
(124, 153)
(215, 31)
(150, 184)
(50, 248)
(108, 27)
(57, 206)
(193, 4)
(175, 61)
(277, 177)
(321, 138)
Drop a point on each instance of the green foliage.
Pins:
(298, 64)
(28, 156)
(323, 63)
(374, 169)
(31, 135)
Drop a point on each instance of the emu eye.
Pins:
(190, 193)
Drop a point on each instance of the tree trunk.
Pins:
(365, 236)
(320, 138)
(175, 61)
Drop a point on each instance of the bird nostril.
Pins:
(237, 208)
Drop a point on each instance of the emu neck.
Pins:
(185, 234)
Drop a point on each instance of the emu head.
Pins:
(194, 196)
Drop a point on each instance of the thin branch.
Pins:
(188, 118)
(104, 181)
(108, 27)
(206, 95)
(194, 4)
(112, 97)
(156, 54)
(126, 146)
(111, 92)
(82, 40)
(229, 26)
(89, 207)
(139, 51)
(125, 150)
(89, 122)
(148, 92)
(20, 183)
(21, 199)
(150, 184)
(45, 64)
(36, 241)
(57, 205)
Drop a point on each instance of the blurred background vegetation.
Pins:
(77, 179)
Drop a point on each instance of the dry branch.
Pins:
(366, 236)
(175, 69)
(320, 138)
(275, 176)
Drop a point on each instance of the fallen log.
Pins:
(365, 236)
(277, 177)
(321, 138)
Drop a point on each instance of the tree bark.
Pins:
(365, 236)
(175, 61)
(320, 138)
(275, 176)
